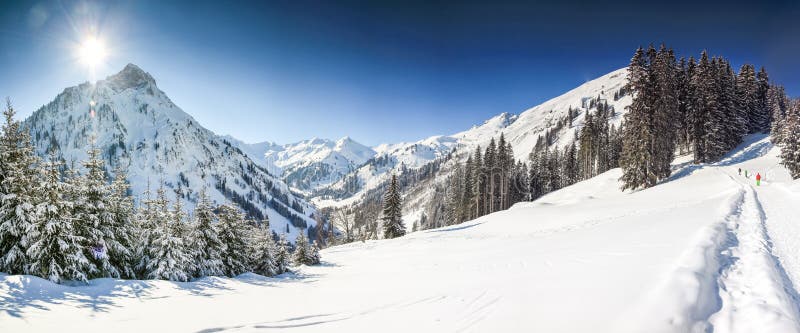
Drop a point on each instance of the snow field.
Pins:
(705, 251)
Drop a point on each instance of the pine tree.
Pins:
(313, 254)
(777, 105)
(683, 74)
(264, 251)
(301, 249)
(705, 105)
(637, 160)
(93, 220)
(571, 171)
(717, 141)
(455, 190)
(205, 242)
(233, 232)
(762, 110)
(392, 211)
(790, 144)
(55, 251)
(168, 258)
(145, 222)
(282, 255)
(121, 207)
(17, 204)
(490, 163)
(478, 181)
(467, 194)
(664, 112)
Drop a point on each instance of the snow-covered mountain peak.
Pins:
(130, 77)
(136, 126)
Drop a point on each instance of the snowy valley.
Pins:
(707, 250)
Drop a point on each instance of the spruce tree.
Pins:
(264, 251)
(282, 256)
(664, 112)
(762, 109)
(301, 249)
(571, 164)
(790, 144)
(637, 156)
(467, 194)
(145, 222)
(233, 232)
(168, 258)
(93, 220)
(121, 207)
(55, 251)
(17, 202)
(313, 254)
(392, 211)
(705, 105)
(777, 103)
(478, 181)
(455, 190)
(207, 248)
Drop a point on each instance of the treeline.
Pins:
(365, 219)
(61, 224)
(786, 130)
(699, 106)
(492, 179)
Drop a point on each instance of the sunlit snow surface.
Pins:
(707, 250)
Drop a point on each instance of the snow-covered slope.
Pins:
(138, 127)
(706, 251)
(522, 131)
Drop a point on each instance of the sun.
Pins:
(92, 52)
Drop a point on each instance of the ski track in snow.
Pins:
(756, 294)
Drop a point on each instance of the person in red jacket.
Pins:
(758, 179)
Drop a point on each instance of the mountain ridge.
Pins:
(138, 127)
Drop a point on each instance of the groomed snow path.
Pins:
(707, 251)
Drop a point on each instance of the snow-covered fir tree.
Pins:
(17, 203)
(392, 211)
(145, 224)
(282, 256)
(664, 111)
(777, 104)
(167, 252)
(233, 232)
(301, 249)
(790, 144)
(93, 220)
(313, 254)
(637, 156)
(304, 252)
(207, 248)
(264, 251)
(121, 207)
(55, 251)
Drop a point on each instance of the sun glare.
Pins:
(92, 52)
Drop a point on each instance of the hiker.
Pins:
(740, 171)
(758, 179)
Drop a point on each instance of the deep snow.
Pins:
(707, 250)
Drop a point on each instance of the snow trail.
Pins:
(753, 284)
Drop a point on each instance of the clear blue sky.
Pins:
(376, 71)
